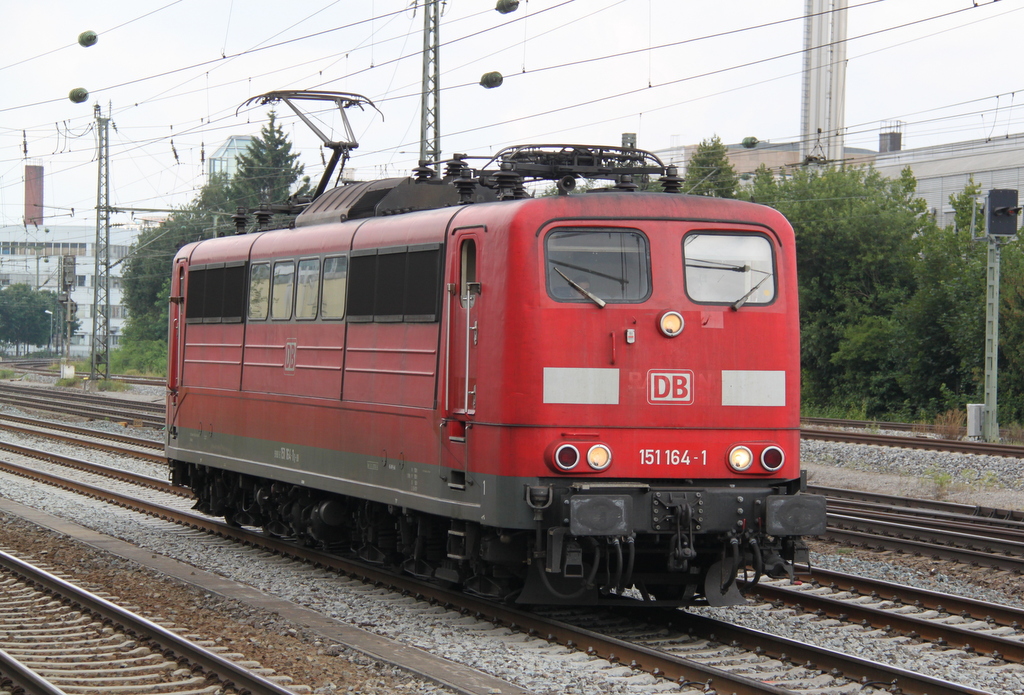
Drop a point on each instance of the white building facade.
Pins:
(31, 256)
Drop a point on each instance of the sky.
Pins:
(174, 76)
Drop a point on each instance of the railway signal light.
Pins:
(1001, 212)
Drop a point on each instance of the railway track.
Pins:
(973, 535)
(47, 367)
(89, 406)
(56, 636)
(673, 651)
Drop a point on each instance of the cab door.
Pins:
(464, 332)
(463, 297)
(176, 328)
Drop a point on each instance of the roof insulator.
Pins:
(466, 185)
(424, 172)
(509, 182)
(455, 166)
(263, 215)
(625, 183)
(241, 219)
(671, 182)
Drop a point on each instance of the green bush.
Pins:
(141, 358)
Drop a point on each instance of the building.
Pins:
(748, 158)
(31, 255)
(225, 159)
(945, 170)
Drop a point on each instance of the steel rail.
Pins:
(83, 431)
(99, 469)
(76, 440)
(615, 650)
(82, 410)
(969, 526)
(1009, 648)
(231, 674)
(919, 503)
(869, 672)
(18, 679)
(926, 443)
(1010, 616)
(870, 539)
(68, 395)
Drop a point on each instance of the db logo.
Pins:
(290, 354)
(672, 388)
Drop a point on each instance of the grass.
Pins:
(950, 424)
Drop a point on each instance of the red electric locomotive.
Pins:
(562, 399)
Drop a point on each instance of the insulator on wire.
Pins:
(490, 80)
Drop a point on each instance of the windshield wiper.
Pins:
(717, 265)
(579, 288)
(743, 300)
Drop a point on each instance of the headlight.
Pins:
(740, 458)
(599, 457)
(671, 323)
(566, 457)
(772, 458)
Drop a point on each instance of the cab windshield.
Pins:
(589, 265)
(724, 268)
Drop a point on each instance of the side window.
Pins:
(467, 271)
(308, 290)
(423, 284)
(389, 295)
(283, 290)
(234, 293)
(396, 284)
(259, 290)
(332, 303)
(213, 302)
(195, 295)
(723, 268)
(216, 293)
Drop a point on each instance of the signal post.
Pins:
(1001, 212)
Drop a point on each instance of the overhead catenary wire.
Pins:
(366, 154)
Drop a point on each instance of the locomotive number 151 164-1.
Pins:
(673, 457)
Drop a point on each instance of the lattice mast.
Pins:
(100, 352)
(430, 105)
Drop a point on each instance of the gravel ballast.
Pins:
(542, 668)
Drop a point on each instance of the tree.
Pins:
(23, 317)
(267, 170)
(856, 246)
(943, 324)
(266, 174)
(708, 172)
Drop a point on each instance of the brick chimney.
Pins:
(33, 194)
